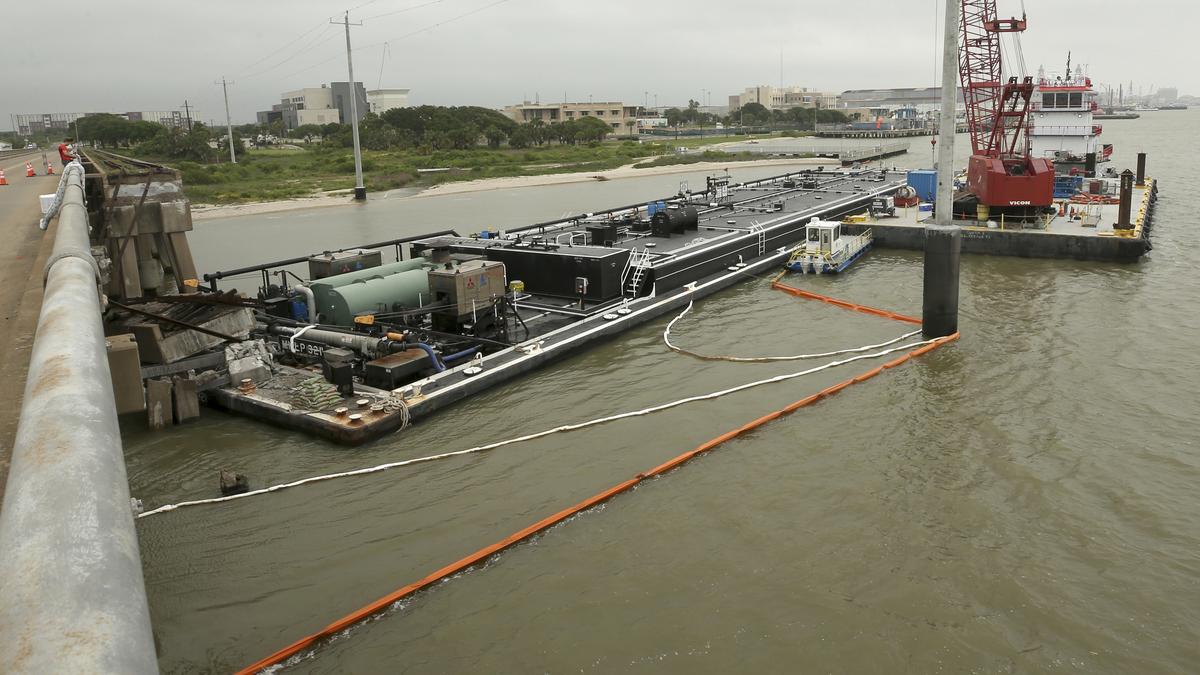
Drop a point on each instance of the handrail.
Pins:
(72, 597)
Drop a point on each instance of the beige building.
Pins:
(311, 105)
(783, 98)
(616, 114)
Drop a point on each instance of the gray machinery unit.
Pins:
(468, 297)
(332, 264)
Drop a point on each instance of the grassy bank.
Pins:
(273, 174)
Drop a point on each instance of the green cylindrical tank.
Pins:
(322, 287)
(374, 295)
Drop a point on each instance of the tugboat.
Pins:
(825, 250)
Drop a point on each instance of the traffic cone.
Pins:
(49, 169)
(29, 172)
(3, 180)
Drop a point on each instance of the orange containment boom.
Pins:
(843, 304)
(483, 554)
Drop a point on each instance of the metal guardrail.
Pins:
(72, 597)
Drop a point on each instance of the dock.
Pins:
(1078, 232)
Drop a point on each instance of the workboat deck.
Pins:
(1087, 235)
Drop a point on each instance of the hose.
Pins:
(540, 434)
(438, 366)
(767, 359)
(458, 355)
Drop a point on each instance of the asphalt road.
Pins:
(23, 254)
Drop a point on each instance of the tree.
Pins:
(630, 124)
(307, 132)
(179, 143)
(591, 129)
(520, 137)
(674, 117)
(494, 135)
(754, 113)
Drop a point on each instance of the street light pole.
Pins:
(360, 191)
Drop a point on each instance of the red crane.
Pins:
(1000, 173)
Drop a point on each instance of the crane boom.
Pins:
(1000, 173)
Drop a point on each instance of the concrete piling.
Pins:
(939, 310)
(943, 241)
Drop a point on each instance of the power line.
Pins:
(290, 43)
(431, 27)
(406, 9)
(318, 40)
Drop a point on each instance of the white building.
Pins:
(783, 98)
(383, 100)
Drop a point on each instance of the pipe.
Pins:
(72, 597)
(309, 299)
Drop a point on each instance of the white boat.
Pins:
(826, 250)
(1061, 127)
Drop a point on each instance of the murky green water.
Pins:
(1022, 501)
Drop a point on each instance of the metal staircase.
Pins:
(634, 273)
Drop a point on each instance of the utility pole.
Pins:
(942, 238)
(228, 120)
(187, 112)
(360, 191)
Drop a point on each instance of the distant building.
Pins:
(380, 101)
(1166, 96)
(614, 113)
(920, 98)
(783, 98)
(167, 118)
(328, 103)
(311, 105)
(37, 123)
(341, 100)
(265, 117)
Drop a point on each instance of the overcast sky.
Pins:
(138, 55)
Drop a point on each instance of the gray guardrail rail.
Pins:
(72, 597)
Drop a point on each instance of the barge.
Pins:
(353, 344)
(362, 353)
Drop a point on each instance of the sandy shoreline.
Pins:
(209, 212)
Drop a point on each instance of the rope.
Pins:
(767, 359)
(387, 601)
(533, 436)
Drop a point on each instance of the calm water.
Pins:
(1022, 501)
